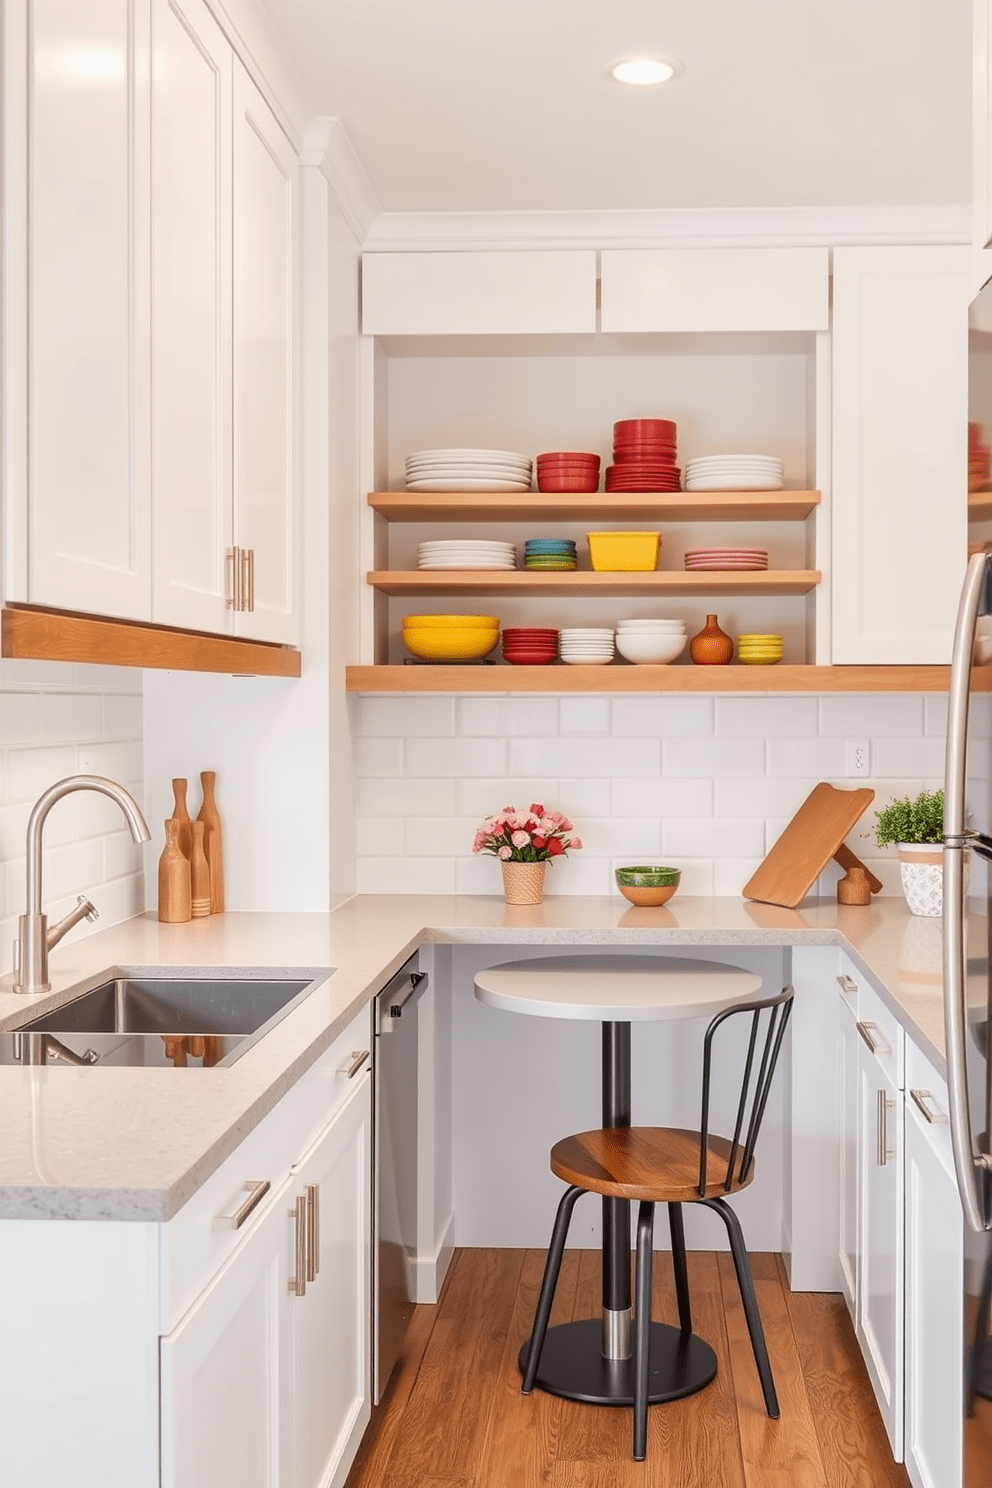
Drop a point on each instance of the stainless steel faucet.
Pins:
(34, 939)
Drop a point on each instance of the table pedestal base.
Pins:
(572, 1365)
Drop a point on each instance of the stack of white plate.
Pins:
(588, 646)
(734, 473)
(468, 470)
(466, 553)
(651, 642)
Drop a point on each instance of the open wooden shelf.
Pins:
(526, 583)
(617, 678)
(623, 506)
(57, 635)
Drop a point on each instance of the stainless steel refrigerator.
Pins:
(967, 988)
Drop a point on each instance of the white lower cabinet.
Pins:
(265, 1381)
(934, 1284)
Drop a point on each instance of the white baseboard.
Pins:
(430, 1271)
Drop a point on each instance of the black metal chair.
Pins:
(673, 1166)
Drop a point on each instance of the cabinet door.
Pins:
(265, 197)
(848, 1227)
(899, 540)
(191, 314)
(225, 1377)
(332, 1321)
(87, 307)
(934, 1288)
(880, 1289)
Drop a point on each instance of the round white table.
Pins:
(590, 1360)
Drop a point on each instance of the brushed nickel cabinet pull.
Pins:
(232, 580)
(245, 601)
(313, 1231)
(298, 1283)
(847, 984)
(884, 1151)
(250, 601)
(256, 1190)
(869, 1032)
(358, 1058)
(928, 1108)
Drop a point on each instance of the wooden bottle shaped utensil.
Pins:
(712, 646)
(213, 844)
(199, 874)
(173, 878)
(180, 815)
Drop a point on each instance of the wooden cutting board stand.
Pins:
(815, 835)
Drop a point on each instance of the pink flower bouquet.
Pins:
(533, 836)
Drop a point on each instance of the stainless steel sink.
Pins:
(199, 1021)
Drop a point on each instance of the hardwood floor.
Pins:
(454, 1417)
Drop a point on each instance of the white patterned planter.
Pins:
(921, 865)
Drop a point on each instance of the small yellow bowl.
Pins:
(450, 622)
(623, 552)
(449, 645)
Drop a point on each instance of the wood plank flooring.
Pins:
(454, 1417)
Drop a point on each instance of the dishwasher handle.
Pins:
(417, 980)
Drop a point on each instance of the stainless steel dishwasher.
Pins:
(395, 1135)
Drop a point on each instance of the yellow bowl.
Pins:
(623, 552)
(755, 639)
(450, 622)
(449, 645)
(760, 660)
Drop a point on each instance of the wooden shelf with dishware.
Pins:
(783, 677)
(453, 583)
(542, 506)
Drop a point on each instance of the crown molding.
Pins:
(683, 227)
(260, 48)
(328, 148)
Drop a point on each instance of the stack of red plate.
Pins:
(712, 560)
(567, 470)
(644, 455)
(532, 645)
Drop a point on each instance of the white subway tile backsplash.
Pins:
(585, 715)
(379, 756)
(490, 717)
(861, 715)
(824, 758)
(662, 717)
(31, 771)
(713, 758)
(380, 837)
(935, 713)
(662, 798)
(455, 757)
(731, 874)
(440, 837)
(713, 838)
(635, 839)
(403, 797)
(20, 717)
(405, 875)
(765, 717)
(776, 795)
(122, 716)
(921, 756)
(478, 798)
(78, 716)
(578, 756)
(407, 716)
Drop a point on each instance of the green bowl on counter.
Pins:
(648, 885)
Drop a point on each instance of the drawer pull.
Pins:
(869, 1032)
(358, 1058)
(313, 1231)
(884, 1151)
(256, 1190)
(847, 984)
(298, 1283)
(928, 1108)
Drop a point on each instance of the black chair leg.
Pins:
(745, 1282)
(642, 1326)
(547, 1295)
(677, 1228)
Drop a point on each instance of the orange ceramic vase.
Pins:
(712, 646)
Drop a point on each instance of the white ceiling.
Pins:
(506, 105)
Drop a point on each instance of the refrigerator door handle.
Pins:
(974, 597)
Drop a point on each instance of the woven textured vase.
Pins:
(523, 883)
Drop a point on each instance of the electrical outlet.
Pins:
(858, 757)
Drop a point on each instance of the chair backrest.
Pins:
(755, 1083)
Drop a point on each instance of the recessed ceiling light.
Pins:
(644, 72)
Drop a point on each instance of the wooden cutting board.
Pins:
(808, 843)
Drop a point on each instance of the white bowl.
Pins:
(650, 625)
(586, 660)
(650, 650)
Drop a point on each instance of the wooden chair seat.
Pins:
(659, 1164)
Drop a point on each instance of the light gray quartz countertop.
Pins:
(135, 1144)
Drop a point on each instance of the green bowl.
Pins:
(648, 877)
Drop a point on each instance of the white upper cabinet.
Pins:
(481, 294)
(192, 69)
(899, 452)
(265, 198)
(716, 289)
(86, 216)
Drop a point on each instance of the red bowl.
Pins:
(578, 456)
(530, 658)
(566, 467)
(524, 637)
(568, 484)
(659, 428)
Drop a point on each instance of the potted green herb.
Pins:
(917, 829)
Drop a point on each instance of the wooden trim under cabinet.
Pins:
(707, 679)
(58, 635)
